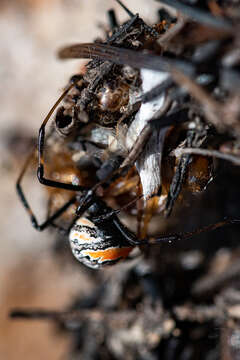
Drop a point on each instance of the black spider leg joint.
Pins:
(85, 200)
(171, 238)
(101, 213)
(33, 219)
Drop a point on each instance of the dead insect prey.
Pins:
(127, 122)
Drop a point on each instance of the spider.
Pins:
(96, 234)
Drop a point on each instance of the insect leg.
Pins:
(177, 182)
(178, 178)
(199, 15)
(112, 19)
(125, 8)
(122, 30)
(173, 31)
(194, 139)
(157, 90)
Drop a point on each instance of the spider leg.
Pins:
(86, 199)
(187, 235)
(26, 205)
(54, 216)
(131, 238)
(41, 142)
(111, 214)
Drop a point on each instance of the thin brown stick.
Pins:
(205, 152)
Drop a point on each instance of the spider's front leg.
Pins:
(41, 144)
(187, 235)
(134, 241)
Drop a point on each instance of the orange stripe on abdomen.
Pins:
(109, 254)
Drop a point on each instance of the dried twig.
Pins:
(205, 152)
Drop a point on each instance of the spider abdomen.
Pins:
(95, 248)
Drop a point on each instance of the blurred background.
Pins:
(31, 79)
